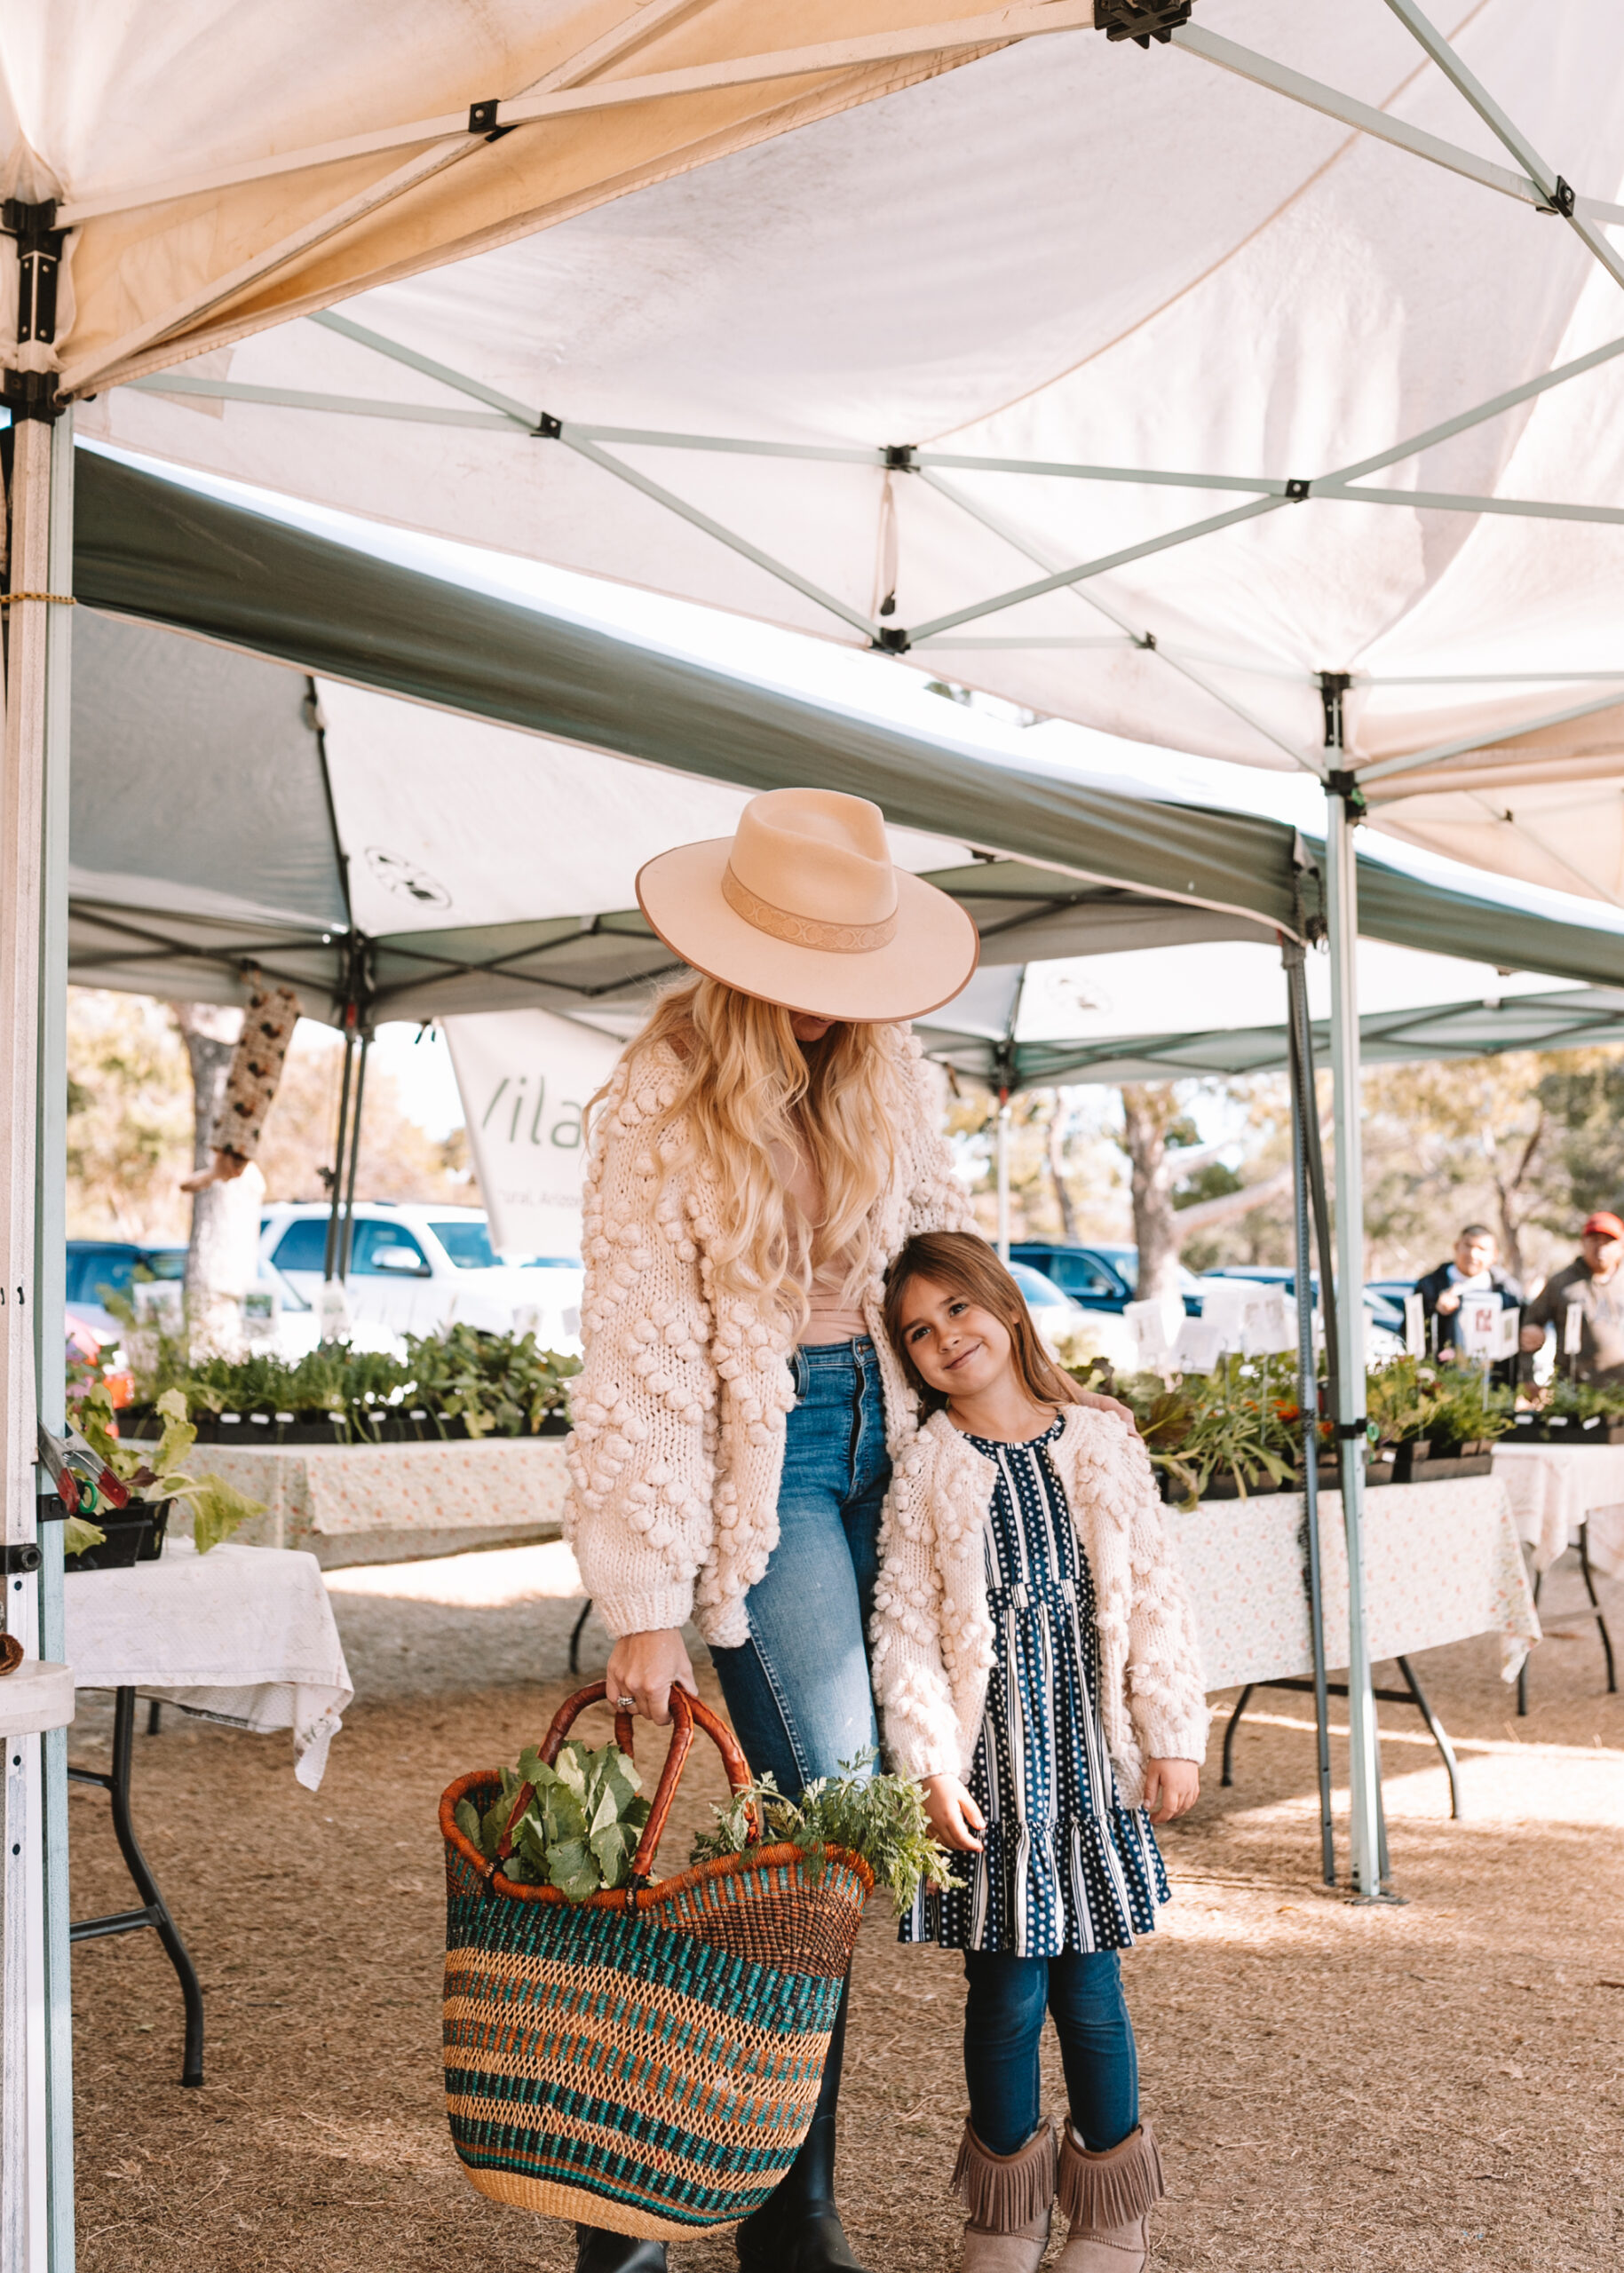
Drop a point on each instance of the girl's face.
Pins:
(806, 1027)
(955, 1347)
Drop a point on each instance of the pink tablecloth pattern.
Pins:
(387, 1502)
(1554, 1488)
(1442, 1562)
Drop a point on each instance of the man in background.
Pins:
(1474, 1272)
(1592, 1287)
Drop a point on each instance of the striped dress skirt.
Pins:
(1065, 1867)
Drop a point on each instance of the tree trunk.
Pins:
(1506, 1192)
(1145, 1114)
(1056, 1176)
(222, 1254)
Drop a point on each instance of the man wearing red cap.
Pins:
(1586, 1303)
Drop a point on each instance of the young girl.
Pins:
(1035, 1665)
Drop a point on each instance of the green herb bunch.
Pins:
(882, 1819)
(581, 1828)
(217, 1507)
(1584, 1400)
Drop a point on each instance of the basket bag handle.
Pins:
(686, 1711)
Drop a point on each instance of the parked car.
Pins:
(414, 1268)
(97, 1268)
(1050, 1306)
(1098, 1277)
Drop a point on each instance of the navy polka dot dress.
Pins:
(1065, 1867)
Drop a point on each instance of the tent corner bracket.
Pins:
(482, 120)
(1561, 201)
(890, 639)
(900, 457)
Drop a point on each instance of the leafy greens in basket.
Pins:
(579, 1829)
(880, 1818)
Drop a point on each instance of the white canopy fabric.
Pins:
(1082, 297)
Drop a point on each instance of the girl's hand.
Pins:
(1171, 1788)
(647, 1667)
(953, 1816)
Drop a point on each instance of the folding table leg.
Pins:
(574, 1639)
(1522, 1678)
(1439, 1734)
(1241, 1702)
(1601, 1623)
(154, 1911)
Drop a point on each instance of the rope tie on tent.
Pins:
(57, 599)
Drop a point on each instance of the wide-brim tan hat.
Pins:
(804, 905)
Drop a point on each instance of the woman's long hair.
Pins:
(968, 1266)
(749, 1085)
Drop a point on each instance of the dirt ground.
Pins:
(1392, 2089)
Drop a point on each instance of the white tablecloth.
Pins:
(1554, 1488)
(1442, 1561)
(381, 1503)
(242, 1634)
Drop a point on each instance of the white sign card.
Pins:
(525, 1077)
(1414, 1327)
(1488, 1329)
(1574, 1330)
(1156, 1324)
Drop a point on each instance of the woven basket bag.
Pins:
(647, 2060)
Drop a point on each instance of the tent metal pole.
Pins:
(51, 1294)
(1304, 1110)
(347, 1236)
(1002, 1154)
(335, 1210)
(34, 2001)
(1342, 914)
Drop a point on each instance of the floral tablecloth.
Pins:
(380, 1503)
(1442, 1561)
(240, 1635)
(1554, 1488)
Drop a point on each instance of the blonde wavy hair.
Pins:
(748, 1086)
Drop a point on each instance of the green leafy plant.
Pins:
(579, 1827)
(218, 1508)
(496, 1384)
(882, 1819)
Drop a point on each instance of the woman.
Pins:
(764, 1147)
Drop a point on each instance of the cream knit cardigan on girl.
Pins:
(679, 1412)
(932, 1632)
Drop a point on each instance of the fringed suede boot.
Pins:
(1011, 2199)
(1106, 2199)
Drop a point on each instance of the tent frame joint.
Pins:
(900, 457)
(30, 395)
(547, 428)
(890, 639)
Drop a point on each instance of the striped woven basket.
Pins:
(647, 2060)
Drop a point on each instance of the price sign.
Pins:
(1487, 1329)
(1574, 1330)
(1414, 1327)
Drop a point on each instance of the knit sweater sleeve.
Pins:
(911, 1687)
(937, 1201)
(1165, 1694)
(642, 1459)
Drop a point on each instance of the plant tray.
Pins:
(262, 1431)
(135, 1534)
(1564, 1432)
(1448, 1470)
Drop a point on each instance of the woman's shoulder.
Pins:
(647, 1081)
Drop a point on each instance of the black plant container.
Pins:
(135, 1534)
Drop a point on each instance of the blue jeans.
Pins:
(1003, 2020)
(797, 1691)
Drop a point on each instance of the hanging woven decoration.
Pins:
(648, 2059)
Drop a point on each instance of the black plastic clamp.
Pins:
(1298, 491)
(547, 428)
(482, 120)
(1561, 200)
(892, 639)
(22, 1555)
(902, 458)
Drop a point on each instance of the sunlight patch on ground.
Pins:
(488, 1580)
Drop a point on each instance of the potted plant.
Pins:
(119, 1537)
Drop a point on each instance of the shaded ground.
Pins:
(1436, 2086)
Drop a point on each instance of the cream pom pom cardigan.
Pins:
(932, 1632)
(678, 1439)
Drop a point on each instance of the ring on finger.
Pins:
(626, 1704)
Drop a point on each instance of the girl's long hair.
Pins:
(749, 1085)
(969, 1266)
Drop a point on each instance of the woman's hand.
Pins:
(223, 1168)
(1171, 1788)
(1105, 1405)
(647, 1667)
(953, 1816)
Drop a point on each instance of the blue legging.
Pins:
(1003, 2022)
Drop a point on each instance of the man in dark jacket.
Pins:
(1592, 1289)
(1473, 1274)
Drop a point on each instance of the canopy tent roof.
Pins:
(974, 1037)
(260, 788)
(1315, 365)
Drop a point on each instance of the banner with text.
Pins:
(524, 1078)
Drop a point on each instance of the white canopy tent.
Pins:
(845, 381)
(963, 325)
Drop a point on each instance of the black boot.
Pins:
(597, 2251)
(797, 2229)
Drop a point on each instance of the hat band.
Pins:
(804, 931)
